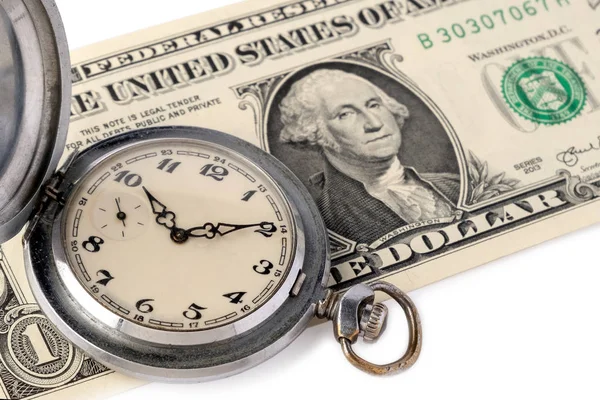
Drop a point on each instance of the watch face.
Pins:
(179, 235)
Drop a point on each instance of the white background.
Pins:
(526, 326)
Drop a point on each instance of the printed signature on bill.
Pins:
(570, 157)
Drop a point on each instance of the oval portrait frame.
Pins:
(426, 113)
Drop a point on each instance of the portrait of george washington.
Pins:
(365, 190)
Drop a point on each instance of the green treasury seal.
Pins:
(543, 90)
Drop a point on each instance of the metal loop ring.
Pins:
(414, 342)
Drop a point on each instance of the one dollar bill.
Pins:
(434, 135)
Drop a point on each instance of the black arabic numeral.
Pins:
(236, 298)
(248, 195)
(267, 229)
(245, 309)
(168, 165)
(131, 180)
(93, 244)
(107, 277)
(193, 312)
(264, 268)
(216, 172)
(144, 306)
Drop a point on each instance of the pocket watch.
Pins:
(175, 253)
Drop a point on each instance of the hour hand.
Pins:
(210, 231)
(164, 217)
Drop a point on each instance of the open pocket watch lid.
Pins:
(35, 91)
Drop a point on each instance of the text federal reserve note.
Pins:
(434, 135)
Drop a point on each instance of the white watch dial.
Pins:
(179, 235)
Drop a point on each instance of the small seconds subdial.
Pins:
(180, 236)
(120, 215)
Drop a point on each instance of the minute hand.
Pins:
(210, 231)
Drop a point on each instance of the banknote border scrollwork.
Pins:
(576, 190)
(78, 369)
(69, 370)
(254, 96)
(340, 246)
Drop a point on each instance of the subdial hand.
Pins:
(210, 231)
(121, 216)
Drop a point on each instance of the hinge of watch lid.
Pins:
(51, 193)
(298, 284)
(51, 190)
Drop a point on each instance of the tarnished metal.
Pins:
(354, 314)
(51, 193)
(326, 307)
(34, 105)
(346, 322)
(298, 285)
(155, 354)
(373, 321)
